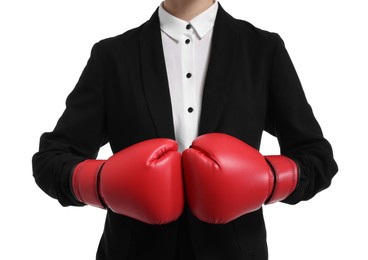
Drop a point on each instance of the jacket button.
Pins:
(190, 109)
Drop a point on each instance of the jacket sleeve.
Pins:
(290, 118)
(78, 135)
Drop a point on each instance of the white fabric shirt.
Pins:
(186, 49)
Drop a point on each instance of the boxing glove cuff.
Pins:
(85, 178)
(286, 177)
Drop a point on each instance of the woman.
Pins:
(193, 74)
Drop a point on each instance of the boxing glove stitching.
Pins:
(205, 153)
(98, 180)
(161, 152)
(274, 181)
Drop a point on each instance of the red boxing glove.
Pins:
(225, 178)
(143, 181)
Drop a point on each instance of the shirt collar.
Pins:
(175, 27)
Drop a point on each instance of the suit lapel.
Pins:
(220, 71)
(154, 78)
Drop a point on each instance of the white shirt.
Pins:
(186, 49)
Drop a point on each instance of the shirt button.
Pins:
(187, 41)
(190, 109)
(189, 75)
(188, 27)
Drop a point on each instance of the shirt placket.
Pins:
(189, 86)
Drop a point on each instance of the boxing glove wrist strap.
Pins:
(85, 178)
(286, 177)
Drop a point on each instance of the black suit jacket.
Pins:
(122, 97)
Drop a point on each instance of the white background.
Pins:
(43, 49)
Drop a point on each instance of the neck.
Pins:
(186, 9)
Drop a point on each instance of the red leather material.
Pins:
(144, 181)
(84, 182)
(225, 178)
(286, 174)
